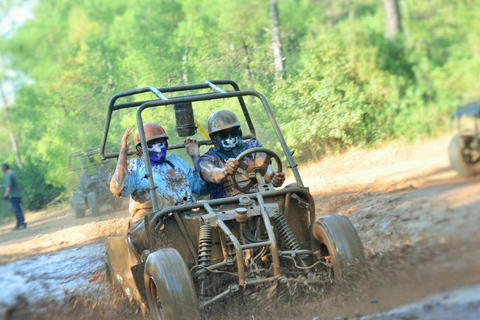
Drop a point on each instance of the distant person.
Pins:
(176, 182)
(219, 163)
(12, 193)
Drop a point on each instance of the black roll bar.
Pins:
(159, 92)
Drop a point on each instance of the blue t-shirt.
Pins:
(11, 182)
(176, 182)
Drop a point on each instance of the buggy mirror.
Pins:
(184, 119)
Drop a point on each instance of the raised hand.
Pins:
(191, 146)
(125, 143)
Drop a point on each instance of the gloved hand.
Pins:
(231, 166)
(5, 198)
(277, 178)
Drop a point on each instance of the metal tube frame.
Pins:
(271, 242)
(203, 97)
(155, 217)
(163, 100)
(159, 92)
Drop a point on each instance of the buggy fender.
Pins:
(119, 260)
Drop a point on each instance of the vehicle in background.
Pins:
(93, 174)
(464, 150)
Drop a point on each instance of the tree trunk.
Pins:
(392, 15)
(109, 65)
(279, 60)
(351, 11)
(246, 65)
(12, 136)
(184, 63)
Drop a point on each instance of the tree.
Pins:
(278, 55)
(392, 16)
(13, 140)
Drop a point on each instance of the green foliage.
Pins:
(36, 192)
(346, 84)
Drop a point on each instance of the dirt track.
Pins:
(417, 219)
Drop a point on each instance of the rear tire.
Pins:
(458, 160)
(93, 203)
(338, 236)
(170, 290)
(79, 213)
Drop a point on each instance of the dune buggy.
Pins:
(464, 150)
(93, 176)
(208, 251)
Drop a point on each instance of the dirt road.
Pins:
(417, 219)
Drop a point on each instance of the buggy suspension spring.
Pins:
(285, 232)
(205, 240)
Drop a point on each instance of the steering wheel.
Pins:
(253, 170)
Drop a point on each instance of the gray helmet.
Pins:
(221, 120)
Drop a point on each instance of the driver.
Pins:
(176, 182)
(218, 164)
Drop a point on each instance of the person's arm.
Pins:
(213, 174)
(7, 192)
(8, 186)
(117, 183)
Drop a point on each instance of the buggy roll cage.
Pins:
(83, 153)
(471, 109)
(217, 93)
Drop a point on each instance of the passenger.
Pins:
(176, 182)
(218, 164)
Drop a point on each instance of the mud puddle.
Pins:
(458, 304)
(53, 277)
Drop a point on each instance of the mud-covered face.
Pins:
(228, 139)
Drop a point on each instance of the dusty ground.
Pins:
(417, 219)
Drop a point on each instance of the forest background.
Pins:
(336, 73)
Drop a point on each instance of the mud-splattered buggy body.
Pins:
(464, 150)
(93, 176)
(204, 252)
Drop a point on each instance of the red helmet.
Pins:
(152, 131)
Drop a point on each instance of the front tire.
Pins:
(78, 204)
(458, 158)
(340, 241)
(170, 290)
(79, 213)
(93, 203)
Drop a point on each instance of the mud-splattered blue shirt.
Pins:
(176, 183)
(211, 158)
